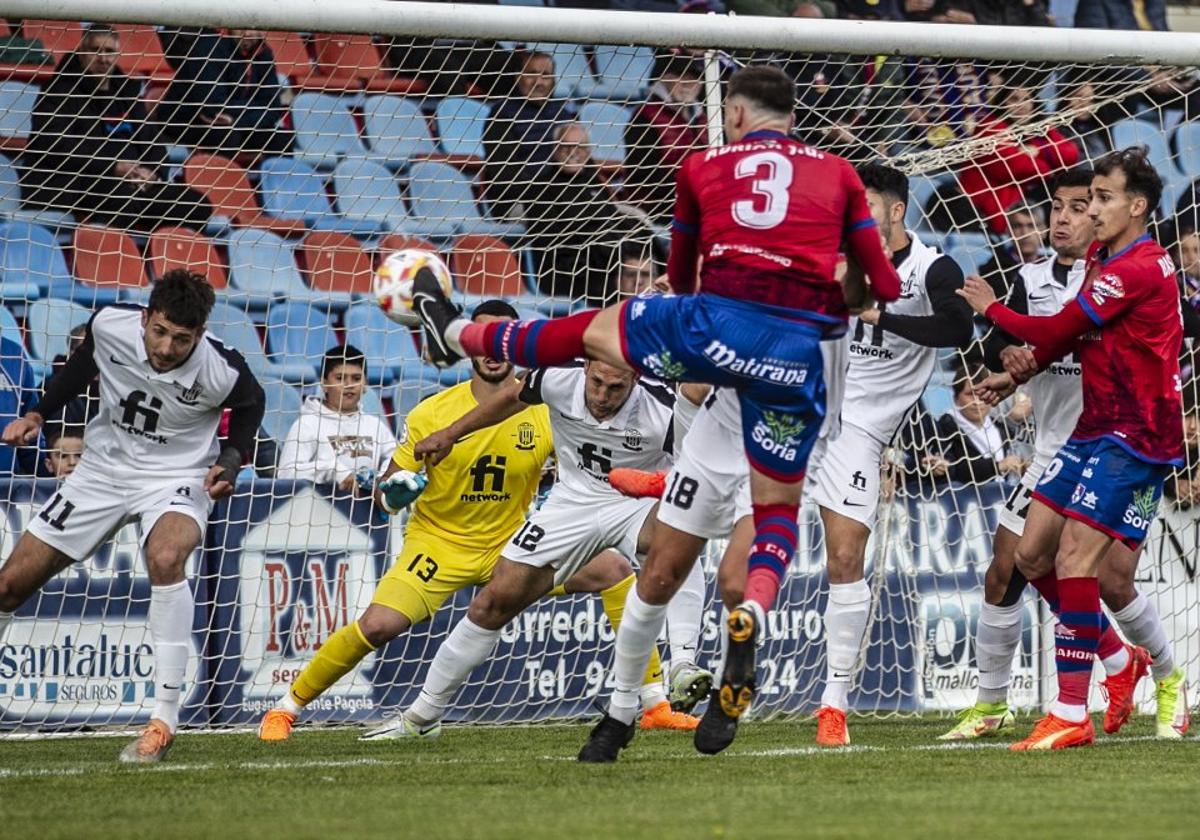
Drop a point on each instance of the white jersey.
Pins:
(639, 436)
(1056, 392)
(887, 374)
(152, 423)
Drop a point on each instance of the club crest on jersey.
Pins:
(526, 436)
(778, 434)
(663, 366)
(1142, 509)
(190, 396)
(1107, 286)
(633, 440)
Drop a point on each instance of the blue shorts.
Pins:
(1103, 485)
(770, 356)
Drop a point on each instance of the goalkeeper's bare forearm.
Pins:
(504, 404)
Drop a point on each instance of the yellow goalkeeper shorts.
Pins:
(428, 570)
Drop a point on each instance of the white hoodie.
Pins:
(326, 447)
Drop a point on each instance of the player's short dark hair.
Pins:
(1141, 178)
(1076, 176)
(885, 180)
(766, 86)
(183, 297)
(57, 431)
(343, 354)
(497, 308)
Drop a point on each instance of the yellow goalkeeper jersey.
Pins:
(479, 495)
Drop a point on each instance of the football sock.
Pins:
(997, 636)
(1141, 624)
(1110, 649)
(684, 614)
(1076, 637)
(533, 344)
(846, 614)
(776, 533)
(614, 600)
(637, 637)
(341, 652)
(171, 613)
(467, 647)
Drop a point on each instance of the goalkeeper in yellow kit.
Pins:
(465, 509)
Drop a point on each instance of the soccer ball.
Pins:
(393, 282)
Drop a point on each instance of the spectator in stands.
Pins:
(1171, 96)
(226, 95)
(983, 12)
(64, 448)
(1187, 258)
(1077, 97)
(92, 152)
(333, 440)
(1121, 14)
(1018, 167)
(976, 446)
(574, 224)
(662, 132)
(1027, 235)
(918, 454)
(639, 271)
(517, 138)
(944, 105)
(18, 392)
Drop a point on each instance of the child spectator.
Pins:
(64, 448)
(977, 447)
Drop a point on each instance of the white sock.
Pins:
(467, 647)
(996, 639)
(1115, 663)
(1067, 711)
(723, 639)
(636, 637)
(846, 614)
(1141, 625)
(453, 332)
(288, 703)
(171, 611)
(684, 614)
(651, 694)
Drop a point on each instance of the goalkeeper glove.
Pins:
(401, 489)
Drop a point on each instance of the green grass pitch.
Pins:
(896, 781)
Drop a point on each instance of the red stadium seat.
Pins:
(485, 266)
(335, 262)
(107, 257)
(176, 247)
(401, 241)
(227, 187)
(141, 52)
(353, 61)
(58, 37)
(291, 55)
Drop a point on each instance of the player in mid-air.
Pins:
(602, 418)
(1105, 483)
(768, 216)
(152, 457)
(1044, 288)
(466, 509)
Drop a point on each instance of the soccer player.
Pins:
(473, 503)
(602, 418)
(152, 457)
(1044, 288)
(767, 215)
(1105, 482)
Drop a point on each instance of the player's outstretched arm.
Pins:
(950, 325)
(504, 404)
(71, 380)
(246, 403)
(1053, 331)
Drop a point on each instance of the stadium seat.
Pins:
(291, 56)
(16, 114)
(325, 130)
(396, 130)
(31, 264)
(372, 403)
(389, 347)
(103, 256)
(606, 125)
(573, 76)
(234, 327)
(921, 188)
(408, 393)
(938, 399)
(622, 72)
(440, 193)
(58, 37)
(141, 52)
(367, 193)
(399, 242)
(283, 408)
(970, 251)
(262, 268)
(460, 124)
(9, 328)
(298, 332)
(292, 189)
(1187, 147)
(178, 247)
(353, 61)
(1134, 132)
(336, 262)
(227, 186)
(49, 323)
(483, 266)
(10, 202)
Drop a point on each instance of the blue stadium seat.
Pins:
(971, 251)
(372, 403)
(16, 109)
(460, 124)
(10, 202)
(409, 392)
(291, 189)
(31, 264)
(439, 193)
(49, 323)
(283, 408)
(262, 268)
(938, 399)
(606, 125)
(234, 327)
(1134, 132)
(368, 194)
(1187, 148)
(9, 328)
(622, 72)
(325, 130)
(920, 189)
(298, 331)
(396, 130)
(388, 346)
(573, 76)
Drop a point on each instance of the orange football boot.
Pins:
(831, 727)
(638, 484)
(276, 725)
(663, 717)
(1119, 688)
(1054, 733)
(151, 746)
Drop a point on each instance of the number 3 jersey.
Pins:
(639, 436)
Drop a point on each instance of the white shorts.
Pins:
(566, 535)
(1016, 507)
(89, 507)
(843, 475)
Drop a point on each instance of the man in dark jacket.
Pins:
(92, 152)
(1121, 14)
